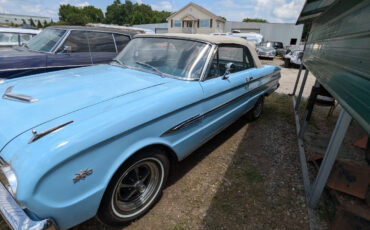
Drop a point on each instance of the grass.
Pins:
(179, 227)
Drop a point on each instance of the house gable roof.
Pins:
(209, 13)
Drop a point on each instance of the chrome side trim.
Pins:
(196, 118)
(18, 97)
(37, 136)
(183, 124)
(16, 218)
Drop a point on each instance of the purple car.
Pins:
(62, 47)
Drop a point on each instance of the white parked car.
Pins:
(266, 52)
(16, 36)
(251, 37)
(293, 56)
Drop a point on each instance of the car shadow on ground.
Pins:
(262, 187)
(182, 168)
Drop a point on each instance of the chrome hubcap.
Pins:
(138, 185)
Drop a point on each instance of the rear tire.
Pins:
(256, 111)
(135, 188)
(286, 63)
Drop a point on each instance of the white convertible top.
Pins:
(212, 39)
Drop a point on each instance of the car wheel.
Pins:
(256, 111)
(135, 188)
(286, 63)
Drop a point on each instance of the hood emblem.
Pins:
(37, 135)
(82, 175)
(18, 97)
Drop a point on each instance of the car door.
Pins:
(102, 47)
(74, 52)
(226, 96)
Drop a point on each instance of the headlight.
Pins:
(8, 178)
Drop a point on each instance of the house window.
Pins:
(177, 23)
(204, 23)
(218, 25)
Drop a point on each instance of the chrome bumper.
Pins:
(16, 218)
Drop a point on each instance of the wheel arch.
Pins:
(135, 149)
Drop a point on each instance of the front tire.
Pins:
(135, 188)
(256, 111)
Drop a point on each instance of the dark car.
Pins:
(62, 47)
(278, 46)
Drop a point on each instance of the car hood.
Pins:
(63, 92)
(265, 49)
(19, 57)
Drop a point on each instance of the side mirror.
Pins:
(66, 49)
(229, 68)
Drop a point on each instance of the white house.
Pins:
(195, 19)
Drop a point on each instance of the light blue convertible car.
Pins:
(99, 141)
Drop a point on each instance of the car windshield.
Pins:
(166, 56)
(46, 40)
(266, 44)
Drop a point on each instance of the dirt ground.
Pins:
(247, 177)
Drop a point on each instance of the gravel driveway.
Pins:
(289, 76)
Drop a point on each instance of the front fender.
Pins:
(100, 138)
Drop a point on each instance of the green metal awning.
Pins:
(313, 9)
(338, 52)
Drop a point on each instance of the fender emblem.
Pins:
(82, 175)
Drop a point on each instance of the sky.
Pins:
(233, 10)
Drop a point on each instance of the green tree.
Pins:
(45, 24)
(24, 21)
(137, 18)
(115, 13)
(128, 14)
(254, 20)
(32, 23)
(93, 14)
(74, 15)
(39, 24)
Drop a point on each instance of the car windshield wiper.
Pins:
(152, 67)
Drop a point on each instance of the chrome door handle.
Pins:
(249, 79)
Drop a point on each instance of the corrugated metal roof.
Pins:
(338, 54)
